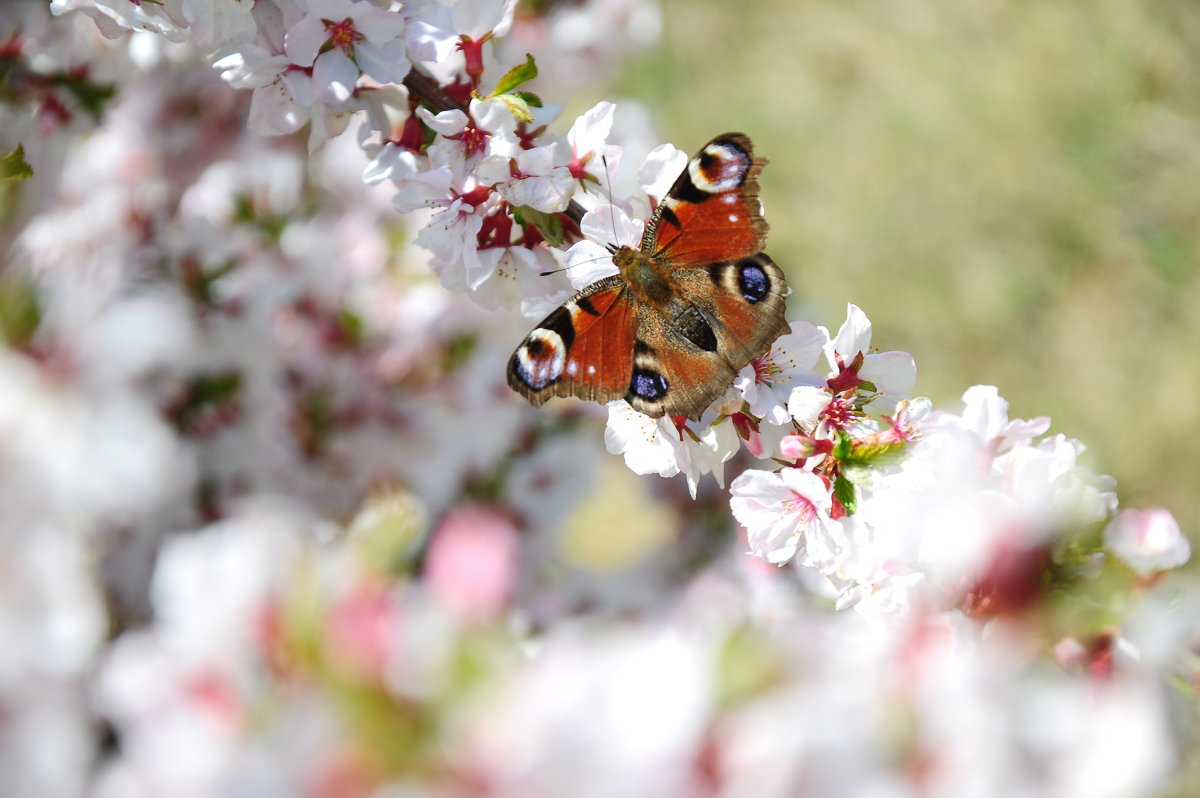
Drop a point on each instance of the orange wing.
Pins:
(583, 349)
(712, 213)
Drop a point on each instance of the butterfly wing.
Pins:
(712, 212)
(585, 348)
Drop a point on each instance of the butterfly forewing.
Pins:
(712, 212)
(583, 349)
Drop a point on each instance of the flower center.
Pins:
(342, 35)
(765, 368)
(473, 140)
(800, 506)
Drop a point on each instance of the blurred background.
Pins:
(1011, 191)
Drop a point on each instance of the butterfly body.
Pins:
(685, 312)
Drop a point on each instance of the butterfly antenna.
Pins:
(612, 219)
(581, 263)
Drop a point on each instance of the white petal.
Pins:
(386, 62)
(334, 76)
(586, 262)
(638, 437)
(853, 337)
(447, 123)
(608, 224)
(806, 403)
(492, 170)
(304, 39)
(661, 169)
(590, 130)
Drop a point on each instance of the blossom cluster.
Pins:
(442, 120)
(272, 523)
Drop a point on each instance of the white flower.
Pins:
(531, 179)
(892, 373)
(591, 156)
(657, 446)
(419, 184)
(452, 235)
(783, 512)
(1148, 541)
(338, 38)
(465, 139)
(512, 275)
(805, 404)
(767, 381)
(429, 32)
(986, 415)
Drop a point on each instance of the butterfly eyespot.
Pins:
(648, 385)
(753, 281)
(540, 360)
(719, 167)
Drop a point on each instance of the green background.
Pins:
(1010, 190)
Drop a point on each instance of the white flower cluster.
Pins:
(491, 154)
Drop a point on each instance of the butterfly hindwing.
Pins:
(584, 348)
(723, 317)
(712, 212)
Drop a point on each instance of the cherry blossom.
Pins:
(767, 382)
(852, 364)
(270, 507)
(660, 446)
(339, 39)
(115, 17)
(786, 514)
(532, 179)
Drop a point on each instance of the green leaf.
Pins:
(20, 311)
(843, 446)
(529, 97)
(846, 494)
(351, 327)
(874, 454)
(91, 96)
(519, 74)
(13, 165)
(548, 224)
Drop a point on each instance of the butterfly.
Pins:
(686, 311)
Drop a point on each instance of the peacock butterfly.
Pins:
(684, 314)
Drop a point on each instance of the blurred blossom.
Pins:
(471, 564)
(1148, 541)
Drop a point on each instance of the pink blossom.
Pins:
(471, 565)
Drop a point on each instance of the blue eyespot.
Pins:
(753, 282)
(648, 385)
